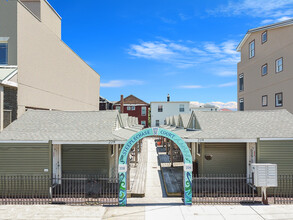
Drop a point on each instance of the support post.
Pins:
(1, 108)
(136, 152)
(171, 154)
(264, 195)
(167, 146)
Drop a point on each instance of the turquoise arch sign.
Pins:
(122, 169)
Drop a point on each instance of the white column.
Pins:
(1, 107)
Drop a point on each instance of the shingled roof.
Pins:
(243, 125)
(87, 126)
(132, 100)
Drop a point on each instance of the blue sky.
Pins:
(151, 48)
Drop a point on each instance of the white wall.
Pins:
(169, 109)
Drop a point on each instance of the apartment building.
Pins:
(265, 72)
(37, 69)
(134, 107)
(161, 110)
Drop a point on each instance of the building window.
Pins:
(143, 111)
(157, 123)
(3, 53)
(264, 100)
(279, 65)
(130, 108)
(118, 108)
(241, 104)
(112, 150)
(198, 148)
(264, 69)
(181, 108)
(279, 99)
(264, 37)
(160, 108)
(241, 82)
(143, 123)
(251, 49)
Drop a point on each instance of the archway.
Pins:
(122, 169)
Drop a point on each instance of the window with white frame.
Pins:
(264, 69)
(143, 111)
(264, 37)
(118, 108)
(264, 100)
(241, 104)
(279, 65)
(157, 123)
(3, 53)
(279, 99)
(181, 108)
(160, 108)
(130, 108)
(143, 123)
(241, 82)
(251, 49)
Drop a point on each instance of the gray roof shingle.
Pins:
(38, 125)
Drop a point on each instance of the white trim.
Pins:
(89, 142)
(24, 142)
(203, 140)
(8, 83)
(267, 27)
(276, 139)
(4, 39)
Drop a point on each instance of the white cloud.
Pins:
(271, 10)
(227, 84)
(212, 48)
(191, 87)
(230, 105)
(121, 83)
(225, 73)
(185, 54)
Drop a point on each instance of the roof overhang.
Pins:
(262, 28)
(276, 139)
(89, 142)
(6, 74)
(200, 140)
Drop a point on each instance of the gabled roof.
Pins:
(91, 126)
(244, 125)
(184, 118)
(132, 100)
(125, 119)
(266, 27)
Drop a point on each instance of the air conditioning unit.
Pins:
(264, 175)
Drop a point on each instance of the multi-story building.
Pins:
(161, 110)
(134, 107)
(265, 72)
(38, 70)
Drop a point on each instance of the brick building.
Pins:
(134, 107)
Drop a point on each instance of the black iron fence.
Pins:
(223, 189)
(70, 189)
(283, 194)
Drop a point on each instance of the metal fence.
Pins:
(70, 189)
(283, 194)
(223, 189)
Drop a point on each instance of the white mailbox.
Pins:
(265, 174)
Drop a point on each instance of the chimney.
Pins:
(122, 104)
(168, 98)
